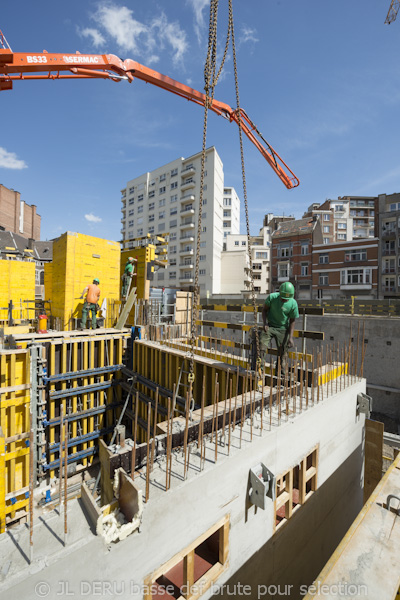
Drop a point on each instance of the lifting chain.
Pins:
(211, 77)
(246, 208)
(210, 81)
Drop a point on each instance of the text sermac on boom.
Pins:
(74, 59)
(20, 66)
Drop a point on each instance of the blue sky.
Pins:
(321, 80)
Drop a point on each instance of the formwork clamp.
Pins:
(262, 485)
(364, 405)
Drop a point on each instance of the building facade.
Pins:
(235, 273)
(165, 200)
(292, 245)
(17, 216)
(336, 223)
(362, 209)
(345, 269)
(388, 225)
(231, 214)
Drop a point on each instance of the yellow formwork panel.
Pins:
(17, 283)
(143, 268)
(14, 424)
(332, 372)
(48, 280)
(77, 260)
(162, 365)
(73, 354)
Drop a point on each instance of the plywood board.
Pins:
(373, 456)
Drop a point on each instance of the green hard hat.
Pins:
(286, 290)
(95, 280)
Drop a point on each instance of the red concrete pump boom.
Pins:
(16, 66)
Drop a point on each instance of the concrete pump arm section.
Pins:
(17, 66)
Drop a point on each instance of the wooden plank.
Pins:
(107, 492)
(367, 556)
(17, 493)
(188, 573)
(180, 555)
(315, 463)
(126, 309)
(17, 437)
(373, 456)
(282, 499)
(15, 388)
(310, 473)
(224, 543)
(302, 481)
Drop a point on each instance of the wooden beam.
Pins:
(373, 456)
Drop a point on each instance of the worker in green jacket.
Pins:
(127, 276)
(279, 313)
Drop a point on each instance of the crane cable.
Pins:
(246, 208)
(211, 77)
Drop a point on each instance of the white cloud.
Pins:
(9, 160)
(198, 7)
(92, 218)
(248, 34)
(172, 34)
(119, 24)
(95, 35)
(137, 38)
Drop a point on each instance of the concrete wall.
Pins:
(233, 274)
(382, 351)
(382, 354)
(174, 519)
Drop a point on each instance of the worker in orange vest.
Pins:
(92, 292)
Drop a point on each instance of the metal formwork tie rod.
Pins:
(143, 398)
(82, 374)
(81, 438)
(161, 390)
(84, 389)
(141, 422)
(71, 458)
(82, 414)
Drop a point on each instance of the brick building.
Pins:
(345, 269)
(17, 216)
(326, 217)
(292, 245)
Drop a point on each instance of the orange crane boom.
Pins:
(17, 66)
(392, 12)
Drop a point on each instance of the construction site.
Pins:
(163, 452)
